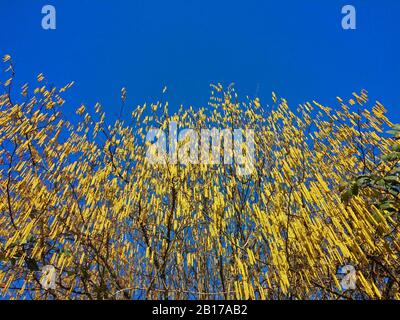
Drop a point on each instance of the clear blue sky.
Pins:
(296, 48)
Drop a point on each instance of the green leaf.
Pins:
(395, 170)
(346, 196)
(380, 182)
(393, 191)
(394, 156)
(354, 189)
(363, 181)
(343, 187)
(391, 178)
(396, 148)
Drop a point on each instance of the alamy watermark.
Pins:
(48, 278)
(349, 21)
(349, 280)
(49, 20)
(190, 147)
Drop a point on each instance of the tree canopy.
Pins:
(79, 197)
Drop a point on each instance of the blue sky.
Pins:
(295, 48)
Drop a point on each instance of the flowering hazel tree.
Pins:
(84, 215)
